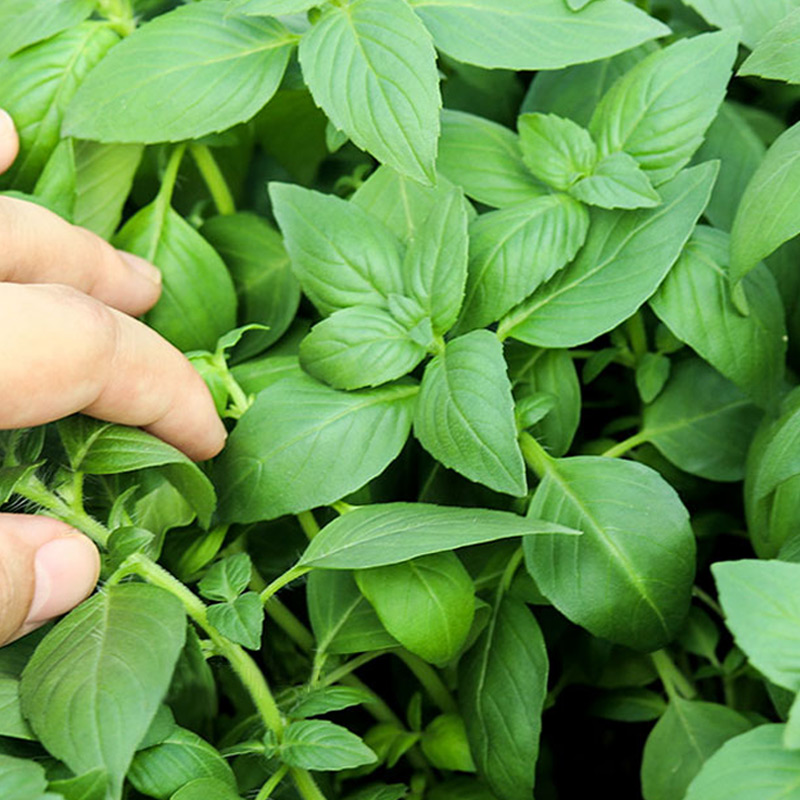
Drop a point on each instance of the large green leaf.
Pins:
(629, 577)
(371, 66)
(38, 84)
(426, 603)
(769, 210)
(94, 684)
(303, 444)
(485, 159)
(753, 20)
(625, 258)
(37, 20)
(503, 685)
(465, 413)
(702, 423)
(12, 722)
(323, 746)
(777, 55)
(160, 86)
(689, 732)
(100, 448)
(198, 301)
(359, 346)
(515, 250)
(340, 253)
(695, 303)
(267, 290)
(390, 533)
(22, 779)
(761, 600)
(752, 766)
(659, 111)
(534, 34)
(616, 182)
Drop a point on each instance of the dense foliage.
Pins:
(500, 301)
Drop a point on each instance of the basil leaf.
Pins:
(241, 620)
(753, 20)
(227, 579)
(776, 56)
(327, 699)
(323, 746)
(616, 182)
(12, 723)
(21, 779)
(36, 21)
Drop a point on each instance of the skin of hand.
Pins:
(69, 342)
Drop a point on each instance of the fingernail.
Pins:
(144, 268)
(66, 571)
(6, 123)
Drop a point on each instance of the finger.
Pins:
(9, 141)
(40, 247)
(63, 352)
(46, 568)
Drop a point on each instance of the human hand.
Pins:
(68, 344)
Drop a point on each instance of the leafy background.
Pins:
(499, 300)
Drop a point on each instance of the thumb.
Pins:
(9, 141)
(46, 568)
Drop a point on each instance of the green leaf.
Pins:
(158, 87)
(55, 188)
(652, 372)
(255, 376)
(533, 408)
(387, 101)
(182, 757)
(629, 705)
(91, 785)
(303, 444)
(228, 578)
(534, 34)
(748, 350)
(91, 704)
(198, 302)
(341, 618)
(341, 255)
(768, 211)
(682, 741)
(739, 149)
(101, 448)
(323, 746)
(329, 698)
(777, 55)
(700, 635)
(754, 20)
(103, 179)
(380, 791)
(272, 8)
(38, 84)
(359, 346)
(752, 766)
(485, 159)
(268, 293)
(426, 603)
(21, 779)
(12, 723)
(203, 788)
(10, 477)
(625, 258)
(616, 182)
(515, 250)
(37, 20)
(460, 788)
(557, 151)
(503, 683)
(637, 551)
(435, 266)
(702, 423)
(465, 413)
(761, 600)
(241, 620)
(390, 533)
(444, 743)
(659, 111)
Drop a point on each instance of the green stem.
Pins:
(171, 174)
(241, 401)
(708, 600)
(289, 624)
(511, 569)
(334, 676)
(535, 456)
(342, 508)
(624, 446)
(306, 785)
(637, 335)
(675, 682)
(430, 681)
(269, 787)
(77, 493)
(35, 490)
(308, 523)
(283, 580)
(214, 179)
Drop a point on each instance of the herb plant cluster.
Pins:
(500, 301)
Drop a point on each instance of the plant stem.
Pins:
(214, 179)
(289, 624)
(283, 580)
(306, 785)
(430, 681)
(269, 787)
(637, 335)
(624, 446)
(308, 523)
(535, 456)
(171, 174)
(675, 682)
(511, 569)
(350, 666)
(708, 600)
